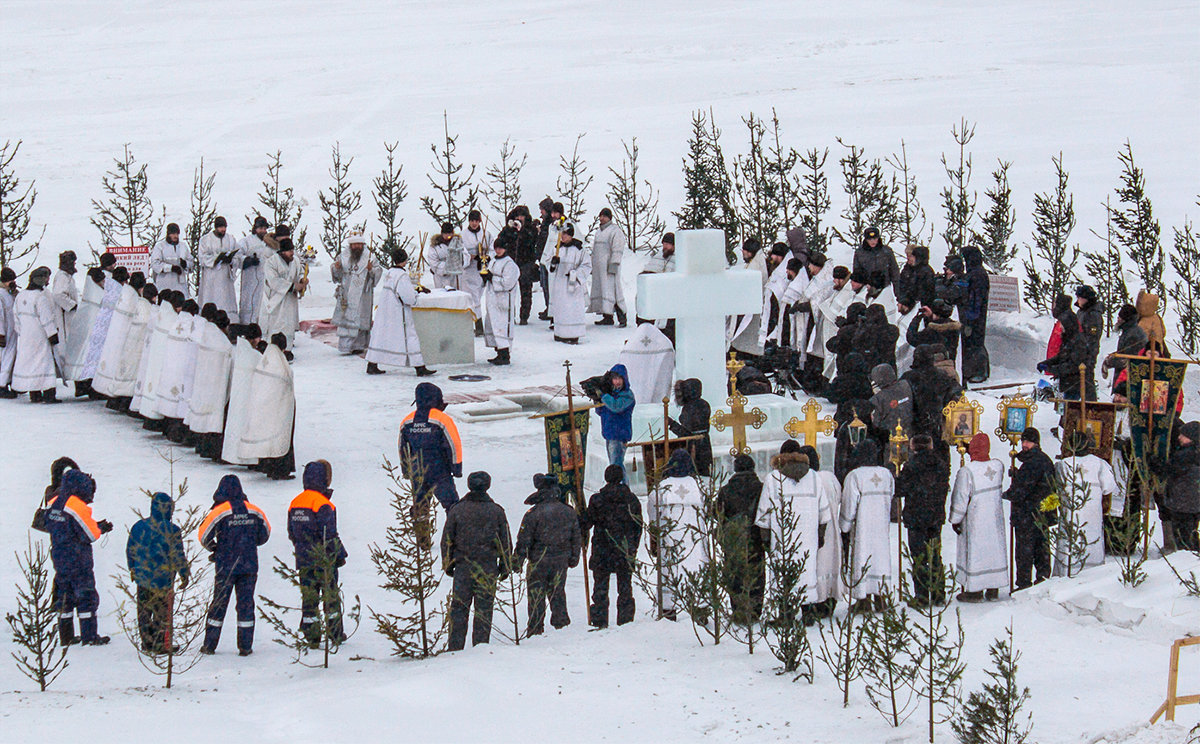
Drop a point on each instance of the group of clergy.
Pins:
(187, 371)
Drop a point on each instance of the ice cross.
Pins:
(700, 294)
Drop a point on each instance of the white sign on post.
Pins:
(700, 294)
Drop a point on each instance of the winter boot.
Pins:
(605, 320)
(501, 358)
(992, 595)
(35, 396)
(424, 371)
(373, 369)
(478, 328)
(83, 388)
(7, 393)
(970, 596)
(50, 396)
(66, 631)
(622, 319)
(544, 315)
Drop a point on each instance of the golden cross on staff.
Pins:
(734, 366)
(810, 426)
(737, 417)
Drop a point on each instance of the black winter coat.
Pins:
(1032, 482)
(1183, 480)
(549, 532)
(876, 338)
(932, 389)
(476, 535)
(614, 519)
(693, 420)
(737, 502)
(852, 382)
(878, 261)
(915, 286)
(1131, 341)
(924, 331)
(1091, 328)
(1065, 364)
(521, 244)
(923, 484)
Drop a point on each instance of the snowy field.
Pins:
(231, 81)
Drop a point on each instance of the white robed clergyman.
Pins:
(475, 242)
(280, 310)
(866, 515)
(829, 556)
(99, 332)
(355, 274)
(503, 298)
(676, 509)
(218, 277)
(79, 329)
(771, 326)
(447, 262)
(245, 360)
(8, 328)
(179, 366)
(252, 255)
(33, 368)
(649, 358)
(833, 309)
(210, 385)
(1088, 479)
(794, 508)
(165, 257)
(817, 292)
(394, 335)
(120, 380)
(272, 405)
(608, 248)
(977, 514)
(569, 283)
(146, 391)
(124, 315)
(64, 296)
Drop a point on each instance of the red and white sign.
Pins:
(134, 258)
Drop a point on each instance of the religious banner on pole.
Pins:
(565, 459)
(1154, 387)
(1096, 421)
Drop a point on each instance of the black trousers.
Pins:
(1185, 524)
(75, 594)
(544, 277)
(599, 608)
(471, 589)
(154, 617)
(317, 590)
(223, 588)
(925, 547)
(529, 277)
(547, 580)
(1031, 555)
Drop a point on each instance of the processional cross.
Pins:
(810, 426)
(738, 417)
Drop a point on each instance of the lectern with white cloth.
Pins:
(445, 324)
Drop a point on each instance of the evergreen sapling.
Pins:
(998, 222)
(699, 591)
(889, 674)
(34, 625)
(634, 204)
(1050, 267)
(16, 204)
(957, 201)
(935, 651)
(339, 205)
(1185, 293)
(757, 188)
(871, 198)
(814, 199)
(841, 648)
(573, 183)
(389, 192)
(279, 202)
(708, 188)
(125, 215)
(1134, 226)
(201, 213)
(454, 194)
(502, 189)
(911, 214)
(1105, 271)
(994, 714)
(786, 631)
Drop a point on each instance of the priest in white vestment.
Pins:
(218, 251)
(866, 517)
(210, 388)
(272, 405)
(33, 368)
(114, 284)
(145, 398)
(570, 279)
(649, 358)
(245, 360)
(502, 293)
(477, 250)
(355, 274)
(828, 582)
(977, 516)
(1084, 482)
(124, 316)
(8, 330)
(252, 255)
(675, 510)
(854, 290)
(170, 261)
(282, 287)
(394, 338)
(608, 248)
(64, 295)
(73, 353)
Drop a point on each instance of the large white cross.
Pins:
(700, 294)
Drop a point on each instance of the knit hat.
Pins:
(752, 246)
(1031, 435)
(980, 447)
(780, 249)
(1127, 312)
(789, 446)
(743, 464)
(614, 474)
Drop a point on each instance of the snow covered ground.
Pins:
(231, 81)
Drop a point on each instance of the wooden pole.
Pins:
(577, 479)
(1012, 537)
(660, 466)
(1146, 463)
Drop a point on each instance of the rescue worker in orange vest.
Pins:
(430, 448)
(72, 532)
(233, 530)
(312, 528)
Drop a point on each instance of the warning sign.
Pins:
(134, 258)
(1004, 295)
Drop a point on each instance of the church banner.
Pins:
(565, 459)
(1155, 400)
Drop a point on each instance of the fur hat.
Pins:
(479, 481)
(614, 474)
(1031, 435)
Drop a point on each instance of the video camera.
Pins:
(597, 387)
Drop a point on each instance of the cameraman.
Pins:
(612, 392)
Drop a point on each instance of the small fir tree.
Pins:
(332, 614)
(786, 595)
(16, 204)
(389, 192)
(1185, 293)
(994, 714)
(201, 213)
(756, 187)
(509, 589)
(408, 566)
(34, 625)
(454, 194)
(1106, 274)
(889, 674)
(185, 606)
(279, 203)
(1190, 583)
(125, 215)
(781, 166)
(1050, 267)
(339, 205)
(1125, 533)
(1070, 533)
(573, 183)
(699, 591)
(1134, 226)
(994, 240)
(708, 188)
(935, 651)
(841, 648)
(634, 204)
(871, 199)
(957, 199)
(814, 200)
(912, 221)
(741, 575)
(502, 189)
